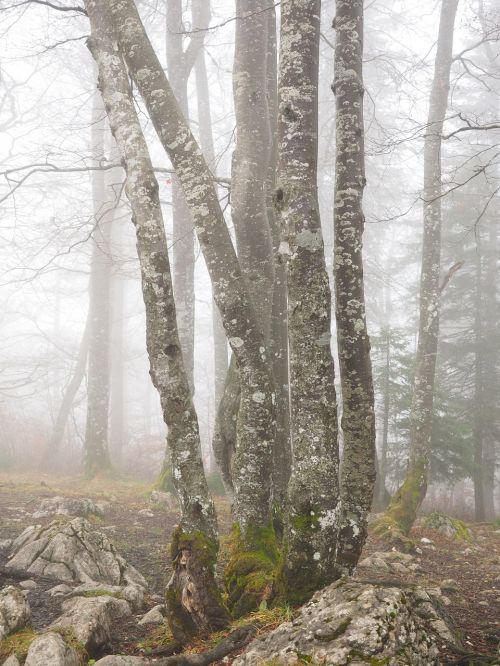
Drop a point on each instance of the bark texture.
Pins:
(358, 417)
(403, 508)
(311, 523)
(255, 427)
(194, 602)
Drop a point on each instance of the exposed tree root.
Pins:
(236, 640)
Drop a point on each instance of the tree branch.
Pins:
(451, 272)
(46, 3)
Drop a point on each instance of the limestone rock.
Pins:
(121, 660)
(15, 612)
(134, 594)
(91, 619)
(354, 623)
(391, 562)
(51, 649)
(28, 584)
(60, 590)
(450, 527)
(72, 552)
(5, 544)
(154, 616)
(166, 500)
(68, 506)
(11, 661)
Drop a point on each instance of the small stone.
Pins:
(154, 616)
(121, 660)
(5, 544)
(426, 541)
(146, 513)
(449, 585)
(12, 661)
(28, 584)
(483, 603)
(60, 590)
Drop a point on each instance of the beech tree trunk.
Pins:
(117, 415)
(248, 199)
(313, 493)
(96, 452)
(403, 508)
(207, 146)
(358, 416)
(255, 429)
(51, 453)
(179, 65)
(193, 602)
(279, 322)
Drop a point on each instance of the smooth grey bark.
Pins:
(207, 146)
(51, 453)
(195, 544)
(117, 414)
(180, 61)
(255, 433)
(358, 414)
(313, 493)
(404, 505)
(248, 201)
(279, 321)
(96, 452)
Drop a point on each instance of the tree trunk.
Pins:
(117, 416)
(279, 322)
(403, 508)
(311, 522)
(358, 417)
(193, 602)
(96, 453)
(207, 146)
(52, 452)
(255, 428)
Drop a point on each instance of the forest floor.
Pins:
(142, 539)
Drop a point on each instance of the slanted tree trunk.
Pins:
(403, 508)
(96, 453)
(252, 462)
(52, 452)
(313, 493)
(207, 146)
(479, 392)
(358, 416)
(193, 602)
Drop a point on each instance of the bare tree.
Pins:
(255, 430)
(194, 604)
(358, 414)
(402, 510)
(313, 493)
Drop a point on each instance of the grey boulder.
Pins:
(68, 506)
(91, 619)
(51, 649)
(15, 612)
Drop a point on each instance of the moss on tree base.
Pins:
(396, 523)
(194, 603)
(251, 571)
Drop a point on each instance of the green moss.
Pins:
(435, 520)
(100, 593)
(17, 643)
(401, 513)
(203, 556)
(72, 641)
(251, 571)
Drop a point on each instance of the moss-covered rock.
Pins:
(250, 574)
(354, 622)
(450, 527)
